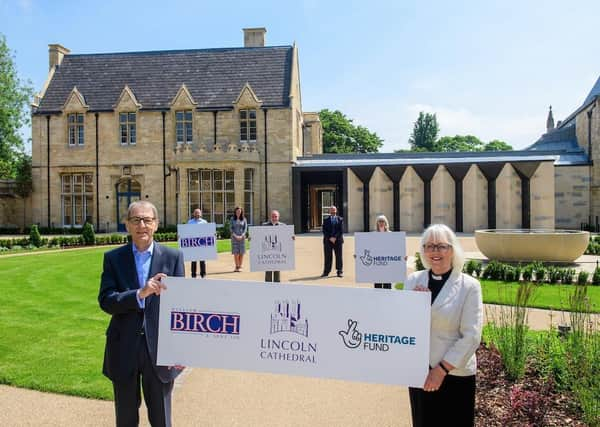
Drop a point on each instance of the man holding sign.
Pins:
(130, 288)
(197, 219)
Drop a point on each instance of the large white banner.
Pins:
(380, 257)
(354, 334)
(272, 248)
(197, 241)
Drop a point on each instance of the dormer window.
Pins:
(76, 129)
(127, 128)
(183, 126)
(247, 125)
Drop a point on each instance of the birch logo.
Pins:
(197, 242)
(205, 322)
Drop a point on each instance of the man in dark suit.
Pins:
(333, 239)
(273, 276)
(130, 290)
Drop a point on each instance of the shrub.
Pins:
(165, 237)
(418, 263)
(596, 277)
(494, 270)
(528, 271)
(567, 276)
(540, 271)
(35, 237)
(582, 277)
(554, 274)
(89, 238)
(224, 232)
(510, 274)
(470, 267)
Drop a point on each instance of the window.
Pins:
(127, 128)
(247, 125)
(77, 199)
(249, 194)
(213, 191)
(183, 127)
(76, 129)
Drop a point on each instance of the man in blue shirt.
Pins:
(197, 219)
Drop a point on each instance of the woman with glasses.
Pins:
(448, 394)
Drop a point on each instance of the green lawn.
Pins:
(51, 327)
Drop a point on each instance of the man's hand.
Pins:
(153, 286)
(332, 240)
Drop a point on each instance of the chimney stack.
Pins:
(254, 37)
(56, 54)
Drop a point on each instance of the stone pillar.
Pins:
(458, 173)
(525, 170)
(364, 173)
(395, 174)
(426, 173)
(491, 171)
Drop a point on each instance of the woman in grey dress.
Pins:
(238, 226)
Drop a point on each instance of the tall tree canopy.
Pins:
(425, 133)
(497, 145)
(14, 112)
(340, 135)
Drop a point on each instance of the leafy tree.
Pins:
(425, 133)
(24, 180)
(340, 135)
(459, 143)
(497, 145)
(35, 237)
(88, 235)
(14, 112)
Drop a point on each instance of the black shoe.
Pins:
(202, 275)
(340, 274)
(325, 275)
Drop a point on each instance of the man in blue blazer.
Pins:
(130, 290)
(333, 239)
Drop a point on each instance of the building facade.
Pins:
(219, 128)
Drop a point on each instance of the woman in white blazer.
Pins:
(448, 395)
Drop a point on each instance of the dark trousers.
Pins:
(202, 268)
(383, 285)
(329, 248)
(272, 276)
(452, 405)
(157, 394)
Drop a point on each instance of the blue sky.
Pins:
(490, 69)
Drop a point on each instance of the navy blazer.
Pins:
(333, 230)
(117, 297)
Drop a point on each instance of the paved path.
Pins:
(211, 397)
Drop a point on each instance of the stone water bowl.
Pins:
(532, 245)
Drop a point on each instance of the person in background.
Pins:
(239, 227)
(273, 276)
(130, 288)
(197, 219)
(448, 395)
(382, 225)
(333, 239)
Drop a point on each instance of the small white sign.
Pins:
(197, 241)
(354, 334)
(272, 248)
(380, 257)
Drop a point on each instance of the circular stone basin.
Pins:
(532, 245)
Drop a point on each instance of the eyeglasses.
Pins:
(441, 247)
(137, 220)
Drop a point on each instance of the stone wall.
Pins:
(571, 196)
(411, 201)
(443, 204)
(475, 205)
(354, 215)
(381, 200)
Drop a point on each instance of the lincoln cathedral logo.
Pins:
(286, 317)
(271, 243)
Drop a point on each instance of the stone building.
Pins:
(215, 128)
(219, 128)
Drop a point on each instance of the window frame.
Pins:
(187, 126)
(76, 198)
(248, 125)
(130, 127)
(75, 129)
(212, 190)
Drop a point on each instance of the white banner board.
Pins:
(272, 248)
(354, 334)
(380, 257)
(197, 241)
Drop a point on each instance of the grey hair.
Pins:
(443, 233)
(384, 220)
(142, 204)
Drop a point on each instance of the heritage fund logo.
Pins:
(189, 321)
(287, 320)
(368, 260)
(353, 338)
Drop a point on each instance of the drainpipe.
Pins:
(97, 179)
(48, 160)
(164, 153)
(589, 115)
(266, 171)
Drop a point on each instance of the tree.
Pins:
(425, 133)
(497, 145)
(24, 180)
(340, 135)
(459, 143)
(14, 112)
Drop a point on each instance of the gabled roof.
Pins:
(214, 77)
(593, 93)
